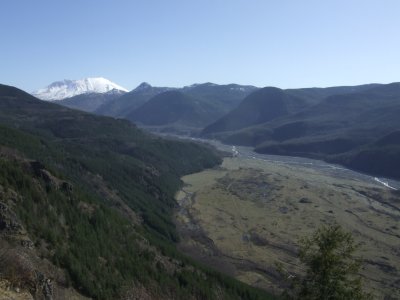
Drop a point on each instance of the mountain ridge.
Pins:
(130, 101)
(174, 107)
(344, 128)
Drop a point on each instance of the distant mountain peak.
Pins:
(206, 84)
(68, 88)
(143, 86)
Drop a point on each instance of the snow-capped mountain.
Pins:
(68, 88)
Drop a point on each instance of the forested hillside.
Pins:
(345, 128)
(87, 202)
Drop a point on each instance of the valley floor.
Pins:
(249, 214)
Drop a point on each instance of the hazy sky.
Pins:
(175, 43)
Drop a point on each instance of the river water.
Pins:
(321, 166)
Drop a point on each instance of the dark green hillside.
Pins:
(263, 106)
(130, 101)
(310, 147)
(175, 107)
(392, 139)
(316, 95)
(225, 97)
(115, 149)
(204, 104)
(345, 128)
(360, 117)
(381, 157)
(380, 161)
(259, 107)
(96, 196)
(336, 128)
(347, 120)
(91, 101)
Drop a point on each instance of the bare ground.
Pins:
(247, 215)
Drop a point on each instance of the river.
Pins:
(329, 169)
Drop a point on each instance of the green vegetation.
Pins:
(224, 97)
(130, 101)
(381, 157)
(175, 107)
(187, 109)
(255, 212)
(259, 107)
(344, 128)
(331, 269)
(97, 200)
(102, 251)
(269, 103)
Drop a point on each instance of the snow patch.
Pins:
(68, 88)
(242, 89)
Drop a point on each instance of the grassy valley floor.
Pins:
(248, 214)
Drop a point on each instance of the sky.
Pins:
(288, 44)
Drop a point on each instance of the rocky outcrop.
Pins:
(45, 286)
(10, 226)
(39, 170)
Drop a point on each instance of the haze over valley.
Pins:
(271, 201)
(338, 124)
(222, 150)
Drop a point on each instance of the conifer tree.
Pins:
(331, 269)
